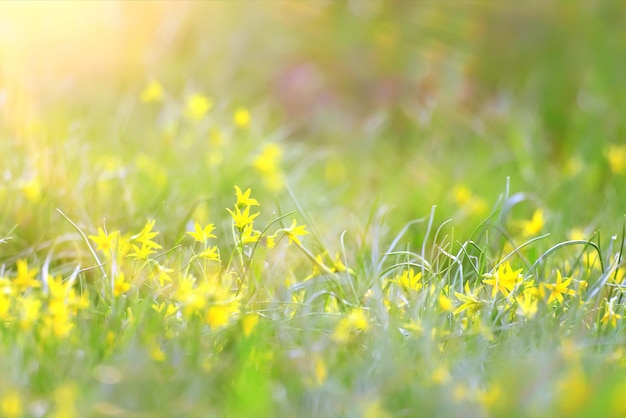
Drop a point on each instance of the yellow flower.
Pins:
(609, 314)
(32, 190)
(267, 162)
(504, 279)
(152, 93)
(145, 236)
(249, 322)
(471, 302)
(242, 219)
(355, 321)
(120, 285)
(445, 303)
(527, 305)
(141, 253)
(11, 405)
(409, 280)
(157, 353)
(31, 306)
(104, 242)
(534, 226)
(197, 106)
(25, 278)
(219, 315)
(202, 234)
(295, 231)
(616, 154)
(244, 199)
(241, 118)
(559, 288)
(440, 375)
(211, 253)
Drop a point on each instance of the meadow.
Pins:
(302, 209)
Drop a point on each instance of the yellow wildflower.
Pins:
(470, 300)
(616, 155)
(409, 280)
(527, 305)
(211, 253)
(146, 235)
(355, 321)
(241, 118)
(197, 106)
(504, 279)
(25, 278)
(534, 226)
(295, 231)
(244, 199)
(104, 242)
(219, 315)
(141, 253)
(152, 93)
(559, 288)
(609, 314)
(202, 234)
(242, 219)
(120, 285)
(11, 405)
(249, 322)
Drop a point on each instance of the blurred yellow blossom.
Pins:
(616, 155)
(534, 225)
(241, 117)
(354, 321)
(11, 404)
(197, 106)
(153, 92)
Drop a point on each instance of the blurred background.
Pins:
(373, 103)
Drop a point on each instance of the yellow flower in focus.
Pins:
(241, 117)
(242, 219)
(141, 253)
(295, 231)
(559, 288)
(197, 106)
(104, 242)
(146, 235)
(244, 199)
(152, 93)
(504, 279)
(616, 155)
(202, 234)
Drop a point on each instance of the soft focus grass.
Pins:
(439, 190)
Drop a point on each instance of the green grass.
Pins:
(423, 217)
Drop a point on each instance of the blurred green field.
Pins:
(425, 209)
